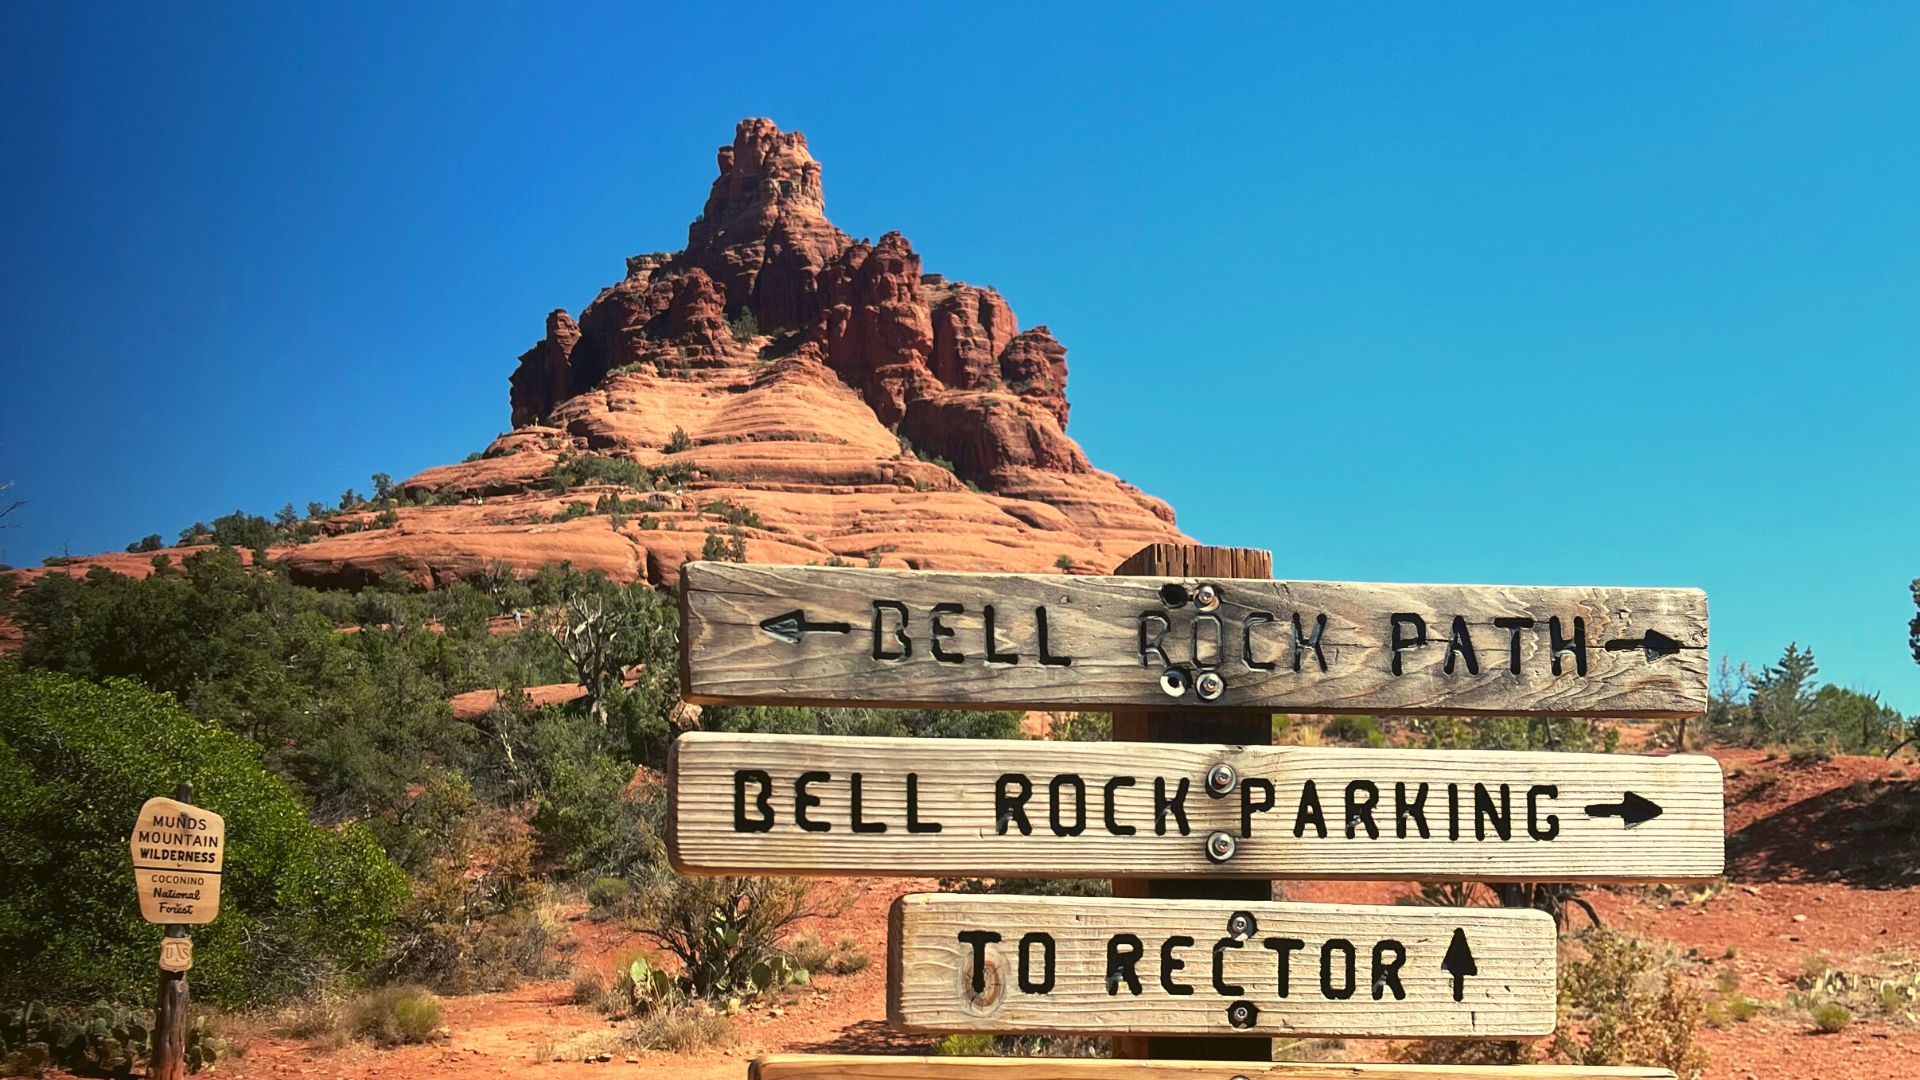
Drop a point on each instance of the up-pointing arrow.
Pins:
(1631, 809)
(1459, 963)
(791, 626)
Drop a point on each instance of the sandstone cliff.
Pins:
(796, 394)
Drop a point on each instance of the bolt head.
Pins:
(1242, 1014)
(1206, 598)
(1221, 846)
(1209, 685)
(1221, 780)
(1241, 925)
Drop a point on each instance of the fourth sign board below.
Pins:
(855, 1067)
(1068, 965)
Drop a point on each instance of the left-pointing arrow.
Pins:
(793, 625)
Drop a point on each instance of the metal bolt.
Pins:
(1221, 780)
(1241, 925)
(1210, 685)
(1206, 598)
(1174, 682)
(1243, 1014)
(1237, 1077)
(1221, 846)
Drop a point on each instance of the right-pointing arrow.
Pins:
(1631, 809)
(1459, 963)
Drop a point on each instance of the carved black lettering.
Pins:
(858, 824)
(1309, 812)
(1484, 812)
(1405, 811)
(1328, 989)
(1386, 973)
(1575, 646)
(1170, 964)
(1302, 641)
(1453, 811)
(1010, 795)
(1399, 643)
(979, 939)
(1060, 826)
(1110, 812)
(1047, 657)
(1220, 983)
(804, 800)
(1248, 805)
(994, 653)
(1360, 810)
(1163, 806)
(1284, 947)
(1460, 646)
(1215, 640)
(1153, 638)
(1029, 984)
(1513, 624)
(914, 824)
(938, 631)
(899, 632)
(762, 801)
(1123, 957)
(1253, 619)
(1538, 828)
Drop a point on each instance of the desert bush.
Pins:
(678, 442)
(395, 1015)
(844, 957)
(683, 1030)
(76, 762)
(1023, 1046)
(607, 892)
(1830, 1017)
(1357, 730)
(1029, 886)
(1637, 1004)
(99, 1040)
(1893, 992)
(725, 931)
(1466, 1052)
(478, 918)
(584, 469)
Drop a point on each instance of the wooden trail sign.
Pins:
(856, 1067)
(1067, 965)
(178, 851)
(828, 635)
(793, 804)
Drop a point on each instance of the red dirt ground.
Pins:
(1811, 871)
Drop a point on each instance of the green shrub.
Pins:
(76, 762)
(100, 1040)
(725, 930)
(964, 1046)
(1358, 730)
(678, 442)
(810, 953)
(395, 1016)
(606, 892)
(587, 469)
(1830, 1017)
(1637, 1006)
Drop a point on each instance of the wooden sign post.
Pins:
(1193, 649)
(178, 852)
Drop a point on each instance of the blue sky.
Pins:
(1609, 294)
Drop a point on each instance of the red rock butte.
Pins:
(804, 396)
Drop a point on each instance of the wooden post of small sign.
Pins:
(169, 1060)
(1199, 563)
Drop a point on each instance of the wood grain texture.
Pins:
(740, 646)
(934, 985)
(856, 1067)
(957, 783)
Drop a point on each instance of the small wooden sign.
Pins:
(1066, 965)
(856, 1067)
(176, 954)
(178, 851)
(811, 635)
(790, 804)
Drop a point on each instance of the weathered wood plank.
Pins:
(1090, 809)
(857, 1067)
(1070, 965)
(827, 635)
